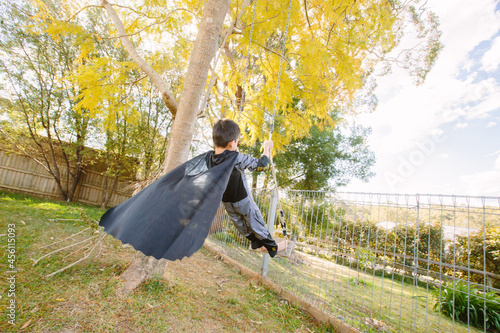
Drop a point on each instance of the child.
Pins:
(171, 217)
(237, 198)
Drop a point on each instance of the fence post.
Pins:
(271, 216)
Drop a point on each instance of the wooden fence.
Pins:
(22, 174)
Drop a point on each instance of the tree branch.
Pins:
(62, 240)
(64, 248)
(81, 10)
(166, 94)
(150, 25)
(307, 17)
(135, 11)
(85, 256)
(269, 50)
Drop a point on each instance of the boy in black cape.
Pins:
(237, 198)
(171, 217)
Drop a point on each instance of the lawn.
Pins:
(363, 300)
(197, 294)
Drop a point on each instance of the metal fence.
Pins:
(384, 262)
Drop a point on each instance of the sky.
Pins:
(442, 137)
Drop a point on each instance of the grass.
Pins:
(359, 297)
(363, 299)
(197, 294)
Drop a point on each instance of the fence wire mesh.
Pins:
(384, 262)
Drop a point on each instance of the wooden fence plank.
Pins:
(22, 174)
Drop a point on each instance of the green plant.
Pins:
(366, 258)
(479, 250)
(467, 304)
(356, 281)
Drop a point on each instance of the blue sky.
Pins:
(443, 137)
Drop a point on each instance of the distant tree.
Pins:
(325, 160)
(42, 121)
(150, 132)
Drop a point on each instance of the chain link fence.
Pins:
(383, 262)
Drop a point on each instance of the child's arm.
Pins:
(256, 164)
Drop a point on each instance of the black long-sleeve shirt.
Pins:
(237, 187)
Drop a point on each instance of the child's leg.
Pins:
(247, 213)
(255, 242)
(237, 219)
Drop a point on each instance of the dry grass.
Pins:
(198, 294)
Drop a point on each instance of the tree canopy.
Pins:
(330, 56)
(325, 56)
(325, 160)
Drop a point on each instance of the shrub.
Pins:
(366, 258)
(415, 239)
(471, 250)
(466, 303)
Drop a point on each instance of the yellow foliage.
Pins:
(328, 56)
(331, 49)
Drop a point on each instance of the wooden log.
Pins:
(318, 314)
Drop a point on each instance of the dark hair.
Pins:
(224, 131)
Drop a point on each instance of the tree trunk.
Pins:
(142, 267)
(196, 78)
(255, 177)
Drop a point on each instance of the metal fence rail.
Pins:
(385, 262)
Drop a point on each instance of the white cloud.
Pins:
(494, 153)
(491, 124)
(490, 57)
(484, 183)
(461, 31)
(407, 114)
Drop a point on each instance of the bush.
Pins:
(366, 258)
(471, 250)
(415, 240)
(466, 303)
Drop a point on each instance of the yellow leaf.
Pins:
(26, 324)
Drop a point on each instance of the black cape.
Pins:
(172, 217)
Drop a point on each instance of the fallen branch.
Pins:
(81, 259)
(150, 308)
(221, 282)
(62, 240)
(84, 246)
(64, 248)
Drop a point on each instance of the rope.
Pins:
(240, 109)
(280, 209)
(271, 126)
(273, 119)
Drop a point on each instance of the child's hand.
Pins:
(268, 146)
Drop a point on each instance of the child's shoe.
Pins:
(255, 245)
(270, 246)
